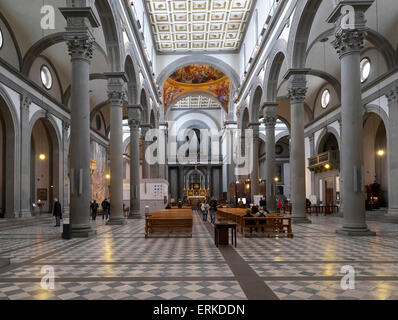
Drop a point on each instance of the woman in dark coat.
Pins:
(57, 212)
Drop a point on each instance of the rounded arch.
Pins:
(41, 114)
(244, 119)
(43, 44)
(379, 111)
(132, 75)
(281, 135)
(272, 71)
(113, 34)
(300, 30)
(199, 59)
(14, 39)
(202, 117)
(55, 178)
(190, 94)
(323, 136)
(11, 156)
(144, 101)
(256, 100)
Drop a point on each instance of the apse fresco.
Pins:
(98, 154)
(196, 78)
(197, 73)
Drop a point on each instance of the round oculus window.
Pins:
(325, 99)
(46, 77)
(1, 39)
(365, 69)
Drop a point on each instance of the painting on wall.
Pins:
(99, 185)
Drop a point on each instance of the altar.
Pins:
(195, 200)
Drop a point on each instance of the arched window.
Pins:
(325, 99)
(46, 77)
(365, 69)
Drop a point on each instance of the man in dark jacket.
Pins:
(57, 212)
(94, 210)
(105, 209)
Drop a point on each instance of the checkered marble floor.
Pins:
(119, 263)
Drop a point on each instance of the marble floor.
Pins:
(120, 264)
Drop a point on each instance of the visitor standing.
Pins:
(94, 209)
(213, 210)
(57, 212)
(105, 209)
(205, 210)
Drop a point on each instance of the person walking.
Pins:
(57, 212)
(105, 209)
(213, 210)
(205, 210)
(94, 209)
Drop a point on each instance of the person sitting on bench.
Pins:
(249, 222)
(261, 214)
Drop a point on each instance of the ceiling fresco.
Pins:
(195, 79)
(197, 73)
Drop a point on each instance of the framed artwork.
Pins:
(42, 194)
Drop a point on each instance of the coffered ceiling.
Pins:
(198, 25)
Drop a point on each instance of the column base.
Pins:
(300, 220)
(26, 214)
(392, 212)
(135, 215)
(364, 232)
(4, 262)
(83, 233)
(116, 222)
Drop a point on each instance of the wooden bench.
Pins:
(169, 223)
(271, 225)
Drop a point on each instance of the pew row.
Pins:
(169, 223)
(271, 226)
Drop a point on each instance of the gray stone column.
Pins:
(255, 188)
(297, 92)
(348, 43)
(181, 182)
(65, 147)
(392, 150)
(25, 194)
(270, 117)
(162, 167)
(230, 126)
(135, 112)
(312, 153)
(146, 168)
(116, 96)
(80, 40)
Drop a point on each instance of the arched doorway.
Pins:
(327, 170)
(7, 161)
(375, 161)
(44, 165)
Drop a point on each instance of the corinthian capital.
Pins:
(80, 45)
(349, 41)
(134, 124)
(270, 114)
(297, 95)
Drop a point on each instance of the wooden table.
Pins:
(221, 233)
